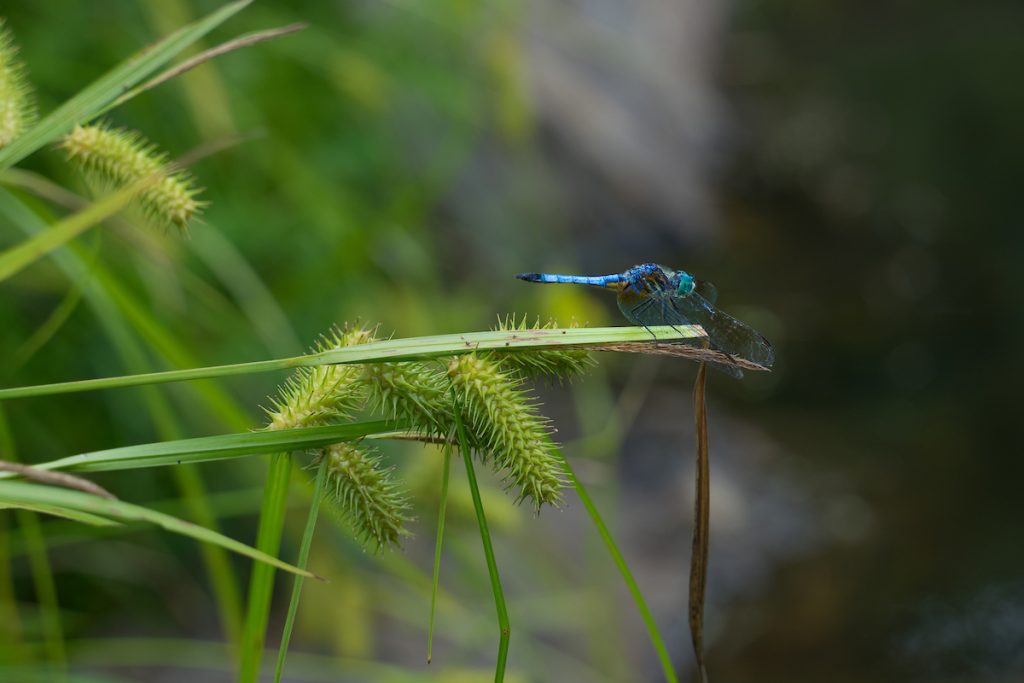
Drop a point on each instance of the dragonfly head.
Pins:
(684, 282)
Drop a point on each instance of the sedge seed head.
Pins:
(366, 494)
(552, 363)
(17, 101)
(323, 393)
(115, 158)
(505, 424)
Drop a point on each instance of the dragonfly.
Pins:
(650, 294)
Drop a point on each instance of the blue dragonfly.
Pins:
(649, 295)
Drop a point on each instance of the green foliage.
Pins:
(505, 428)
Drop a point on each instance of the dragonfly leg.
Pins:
(664, 316)
(634, 314)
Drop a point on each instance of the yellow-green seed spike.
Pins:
(553, 363)
(17, 103)
(116, 158)
(317, 395)
(506, 427)
(366, 494)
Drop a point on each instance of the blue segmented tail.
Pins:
(596, 281)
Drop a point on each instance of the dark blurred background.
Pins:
(847, 174)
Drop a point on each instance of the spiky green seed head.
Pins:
(552, 363)
(17, 103)
(366, 494)
(507, 427)
(414, 392)
(323, 393)
(115, 158)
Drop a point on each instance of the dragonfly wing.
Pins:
(706, 290)
(649, 311)
(726, 333)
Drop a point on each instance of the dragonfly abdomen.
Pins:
(596, 281)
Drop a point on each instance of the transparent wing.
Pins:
(649, 311)
(725, 332)
(706, 290)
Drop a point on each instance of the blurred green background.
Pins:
(848, 174)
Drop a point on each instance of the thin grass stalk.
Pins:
(435, 581)
(701, 523)
(261, 584)
(627, 576)
(504, 627)
(39, 567)
(63, 231)
(301, 561)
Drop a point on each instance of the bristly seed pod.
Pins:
(372, 503)
(507, 427)
(552, 363)
(117, 158)
(412, 391)
(316, 395)
(17, 104)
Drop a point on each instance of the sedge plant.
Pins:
(467, 391)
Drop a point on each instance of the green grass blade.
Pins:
(307, 541)
(112, 305)
(634, 590)
(504, 627)
(39, 245)
(40, 568)
(66, 513)
(435, 581)
(48, 329)
(17, 492)
(208, 448)
(92, 100)
(261, 584)
(636, 339)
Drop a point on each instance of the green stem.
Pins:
(492, 565)
(645, 613)
(39, 566)
(445, 476)
(307, 541)
(261, 585)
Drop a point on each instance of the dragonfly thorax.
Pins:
(651, 277)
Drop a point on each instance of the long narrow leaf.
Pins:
(207, 448)
(504, 626)
(17, 492)
(635, 339)
(66, 513)
(303, 559)
(91, 101)
(39, 245)
(261, 583)
(668, 669)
